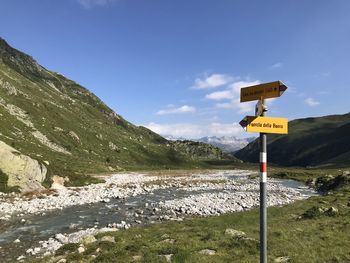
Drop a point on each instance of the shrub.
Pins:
(3, 184)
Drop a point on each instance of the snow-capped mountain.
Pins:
(173, 138)
(228, 144)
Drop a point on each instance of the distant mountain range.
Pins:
(228, 144)
(322, 141)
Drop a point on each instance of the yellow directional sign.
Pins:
(263, 91)
(265, 124)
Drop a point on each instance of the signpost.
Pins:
(263, 125)
(263, 91)
(260, 108)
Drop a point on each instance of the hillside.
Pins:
(310, 142)
(201, 151)
(70, 130)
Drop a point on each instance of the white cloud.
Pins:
(87, 4)
(276, 65)
(212, 81)
(247, 107)
(236, 86)
(181, 110)
(219, 95)
(224, 129)
(194, 131)
(233, 94)
(311, 102)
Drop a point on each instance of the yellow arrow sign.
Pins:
(263, 91)
(265, 124)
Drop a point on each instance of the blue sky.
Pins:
(177, 66)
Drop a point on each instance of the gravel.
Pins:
(212, 194)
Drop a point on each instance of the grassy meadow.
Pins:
(312, 230)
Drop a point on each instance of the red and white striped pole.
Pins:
(263, 165)
(263, 205)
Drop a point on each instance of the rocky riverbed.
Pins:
(39, 226)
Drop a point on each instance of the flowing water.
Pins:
(138, 208)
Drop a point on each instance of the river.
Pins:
(138, 209)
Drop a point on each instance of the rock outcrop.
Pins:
(21, 170)
(58, 182)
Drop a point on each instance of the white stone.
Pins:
(21, 170)
(21, 258)
(81, 250)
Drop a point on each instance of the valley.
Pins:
(79, 183)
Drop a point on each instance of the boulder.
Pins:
(313, 212)
(21, 170)
(136, 258)
(58, 182)
(234, 233)
(168, 241)
(87, 239)
(207, 252)
(62, 238)
(168, 257)
(112, 146)
(81, 249)
(74, 136)
(107, 239)
(282, 259)
(332, 211)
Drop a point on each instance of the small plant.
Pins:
(314, 212)
(68, 248)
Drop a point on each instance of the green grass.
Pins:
(310, 142)
(302, 174)
(3, 184)
(321, 238)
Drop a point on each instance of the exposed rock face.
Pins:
(234, 233)
(112, 146)
(58, 182)
(74, 136)
(22, 170)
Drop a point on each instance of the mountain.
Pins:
(201, 150)
(318, 141)
(67, 128)
(228, 144)
(174, 138)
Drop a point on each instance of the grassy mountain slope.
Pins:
(310, 142)
(60, 123)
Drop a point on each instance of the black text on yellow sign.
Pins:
(265, 124)
(263, 91)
